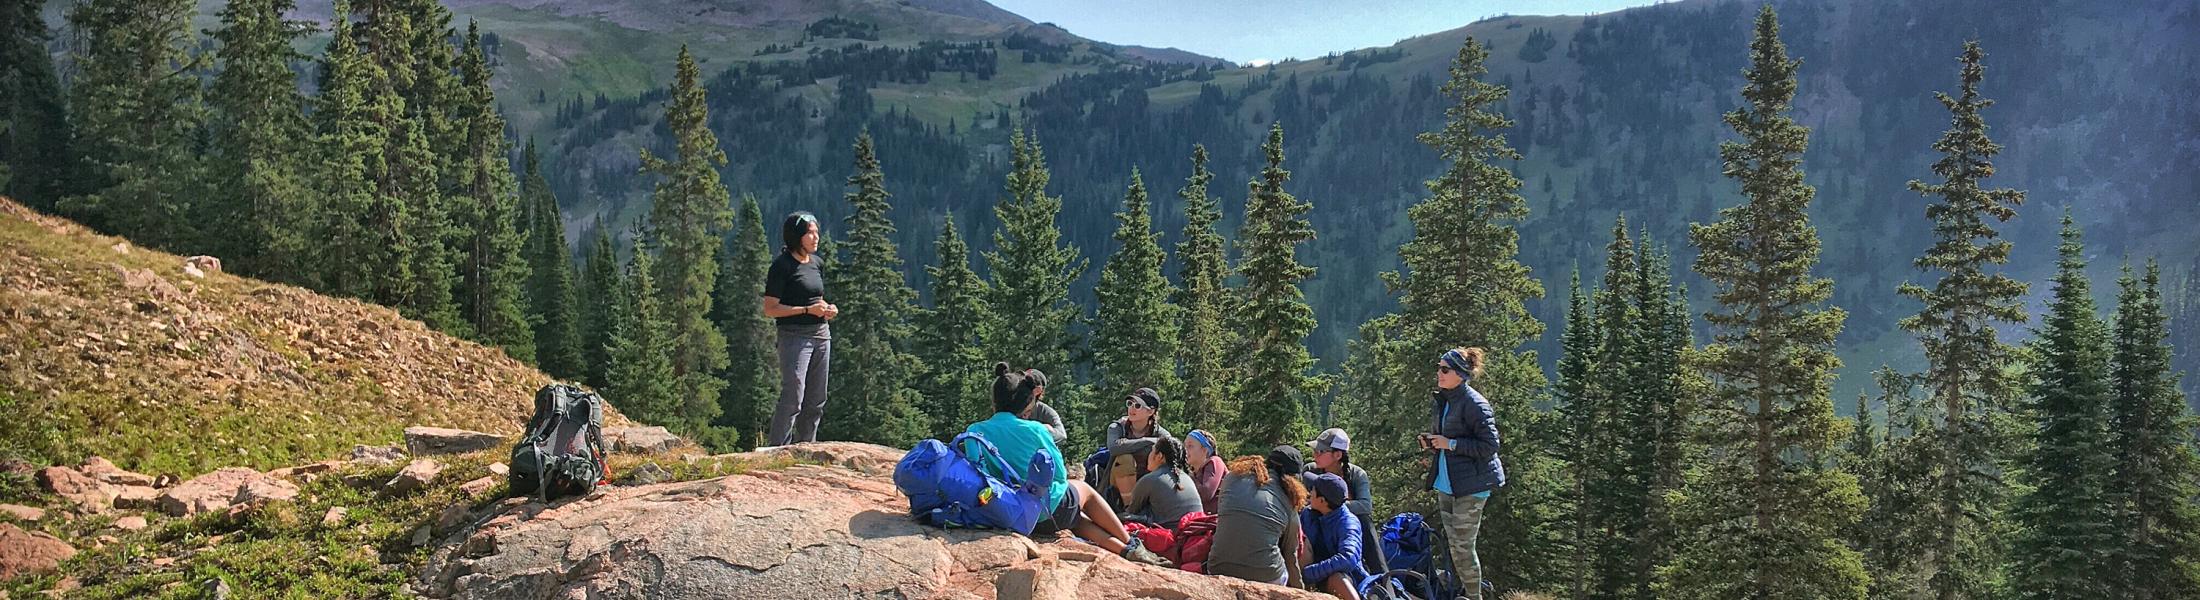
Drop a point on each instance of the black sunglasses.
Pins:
(1444, 369)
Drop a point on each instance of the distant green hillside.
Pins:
(1616, 113)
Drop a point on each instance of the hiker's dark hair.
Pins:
(1011, 390)
(1344, 465)
(1171, 450)
(791, 230)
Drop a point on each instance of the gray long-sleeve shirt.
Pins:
(1121, 444)
(1045, 415)
(1164, 498)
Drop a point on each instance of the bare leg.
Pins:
(1340, 586)
(1100, 526)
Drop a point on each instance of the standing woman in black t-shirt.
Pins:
(794, 295)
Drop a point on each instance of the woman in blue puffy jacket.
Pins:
(1464, 441)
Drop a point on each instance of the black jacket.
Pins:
(1472, 462)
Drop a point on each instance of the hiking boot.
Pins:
(1136, 552)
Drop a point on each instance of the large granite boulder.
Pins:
(833, 530)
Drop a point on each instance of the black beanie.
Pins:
(1286, 460)
(1150, 397)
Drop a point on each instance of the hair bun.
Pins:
(1000, 368)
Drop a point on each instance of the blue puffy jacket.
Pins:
(1333, 544)
(1465, 417)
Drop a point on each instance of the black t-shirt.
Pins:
(796, 284)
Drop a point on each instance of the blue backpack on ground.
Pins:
(1411, 543)
(1398, 584)
(947, 489)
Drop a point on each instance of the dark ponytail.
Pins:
(1172, 452)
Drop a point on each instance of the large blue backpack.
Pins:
(947, 489)
(1411, 543)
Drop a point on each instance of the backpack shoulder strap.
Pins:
(1008, 474)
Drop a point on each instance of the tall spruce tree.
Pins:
(2067, 538)
(875, 401)
(1613, 494)
(1965, 355)
(1464, 285)
(1134, 338)
(37, 160)
(261, 201)
(1202, 299)
(493, 273)
(360, 229)
(410, 214)
(1898, 526)
(600, 290)
(951, 336)
(751, 375)
(688, 215)
(1765, 514)
(1579, 401)
(138, 115)
(550, 293)
(639, 376)
(2156, 553)
(1276, 380)
(1624, 410)
(1032, 269)
(1664, 386)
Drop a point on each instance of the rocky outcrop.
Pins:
(831, 527)
(24, 552)
(222, 489)
(423, 441)
(640, 440)
(414, 476)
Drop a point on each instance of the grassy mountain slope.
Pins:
(112, 350)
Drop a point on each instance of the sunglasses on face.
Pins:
(1134, 403)
(1444, 369)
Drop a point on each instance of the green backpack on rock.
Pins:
(563, 452)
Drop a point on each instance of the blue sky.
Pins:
(1249, 30)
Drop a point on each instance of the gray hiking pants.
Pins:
(805, 364)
